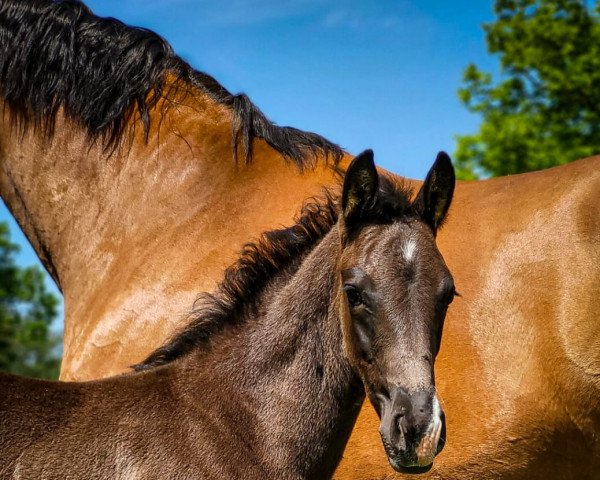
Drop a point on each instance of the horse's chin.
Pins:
(414, 469)
(422, 459)
(418, 459)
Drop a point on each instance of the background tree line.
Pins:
(27, 310)
(543, 109)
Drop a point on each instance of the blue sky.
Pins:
(378, 74)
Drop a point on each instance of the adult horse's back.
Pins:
(116, 159)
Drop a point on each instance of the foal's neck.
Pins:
(289, 365)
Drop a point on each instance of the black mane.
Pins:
(104, 74)
(238, 293)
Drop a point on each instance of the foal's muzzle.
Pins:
(413, 429)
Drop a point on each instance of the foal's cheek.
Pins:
(437, 337)
(364, 333)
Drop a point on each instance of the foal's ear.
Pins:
(360, 189)
(433, 200)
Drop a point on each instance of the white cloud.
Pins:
(356, 19)
(330, 14)
(252, 12)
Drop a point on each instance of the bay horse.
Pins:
(137, 179)
(267, 379)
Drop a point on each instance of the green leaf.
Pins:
(27, 309)
(544, 110)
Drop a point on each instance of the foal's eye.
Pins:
(449, 297)
(354, 297)
(446, 298)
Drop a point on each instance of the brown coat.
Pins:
(132, 235)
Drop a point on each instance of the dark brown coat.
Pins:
(267, 379)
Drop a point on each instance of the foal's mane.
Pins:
(57, 53)
(238, 293)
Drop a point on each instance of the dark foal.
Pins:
(268, 378)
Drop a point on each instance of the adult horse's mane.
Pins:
(277, 250)
(104, 74)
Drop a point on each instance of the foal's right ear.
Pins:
(360, 190)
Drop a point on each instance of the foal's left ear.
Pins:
(360, 190)
(433, 200)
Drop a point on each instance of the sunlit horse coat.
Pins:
(135, 223)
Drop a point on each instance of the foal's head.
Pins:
(395, 292)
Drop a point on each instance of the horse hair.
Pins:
(104, 74)
(238, 293)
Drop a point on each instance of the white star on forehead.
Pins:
(408, 249)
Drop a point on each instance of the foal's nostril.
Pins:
(400, 420)
(413, 429)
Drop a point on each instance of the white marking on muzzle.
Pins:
(429, 443)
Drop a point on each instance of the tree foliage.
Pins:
(545, 108)
(27, 345)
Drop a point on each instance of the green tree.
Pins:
(544, 109)
(27, 345)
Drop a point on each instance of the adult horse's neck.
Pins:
(118, 229)
(63, 187)
(287, 371)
